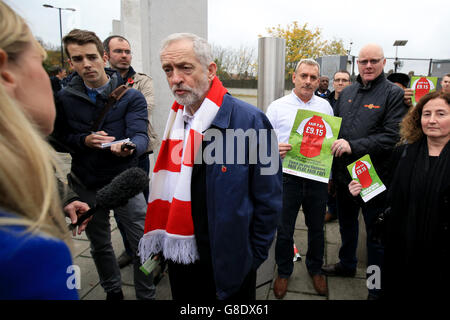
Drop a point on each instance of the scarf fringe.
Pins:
(179, 249)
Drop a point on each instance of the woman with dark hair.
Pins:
(417, 242)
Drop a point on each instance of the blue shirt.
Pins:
(34, 266)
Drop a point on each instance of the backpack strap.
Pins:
(113, 97)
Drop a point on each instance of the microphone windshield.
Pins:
(123, 187)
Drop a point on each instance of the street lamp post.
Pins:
(398, 43)
(60, 27)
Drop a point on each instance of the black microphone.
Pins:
(117, 193)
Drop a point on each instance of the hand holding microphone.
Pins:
(117, 193)
(73, 210)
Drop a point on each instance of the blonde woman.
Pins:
(34, 251)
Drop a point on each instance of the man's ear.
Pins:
(7, 78)
(69, 61)
(212, 69)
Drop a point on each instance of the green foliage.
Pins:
(53, 56)
(302, 43)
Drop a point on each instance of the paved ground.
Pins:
(300, 285)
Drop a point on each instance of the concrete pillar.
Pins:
(161, 18)
(145, 23)
(117, 28)
(271, 65)
(130, 17)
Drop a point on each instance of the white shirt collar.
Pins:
(300, 100)
(187, 116)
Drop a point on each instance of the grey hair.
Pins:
(308, 61)
(202, 48)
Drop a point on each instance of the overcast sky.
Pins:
(232, 23)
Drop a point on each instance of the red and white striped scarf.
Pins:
(168, 225)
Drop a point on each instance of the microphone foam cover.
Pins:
(123, 187)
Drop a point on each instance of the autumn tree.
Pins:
(302, 42)
(53, 55)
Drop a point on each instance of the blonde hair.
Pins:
(28, 185)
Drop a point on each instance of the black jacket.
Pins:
(419, 198)
(331, 99)
(370, 123)
(76, 114)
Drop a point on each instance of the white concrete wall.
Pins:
(117, 28)
(162, 18)
(130, 17)
(145, 23)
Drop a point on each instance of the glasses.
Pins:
(372, 61)
(340, 80)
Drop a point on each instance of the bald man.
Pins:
(371, 110)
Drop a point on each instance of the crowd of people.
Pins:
(215, 203)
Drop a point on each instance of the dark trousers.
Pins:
(312, 195)
(331, 204)
(144, 164)
(348, 212)
(195, 282)
(98, 231)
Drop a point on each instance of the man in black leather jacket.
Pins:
(371, 110)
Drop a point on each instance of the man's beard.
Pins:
(192, 96)
(120, 67)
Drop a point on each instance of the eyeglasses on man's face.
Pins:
(372, 61)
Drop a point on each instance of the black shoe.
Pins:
(114, 296)
(124, 260)
(337, 270)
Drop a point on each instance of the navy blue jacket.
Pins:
(76, 114)
(243, 201)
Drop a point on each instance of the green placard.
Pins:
(363, 171)
(421, 86)
(311, 138)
